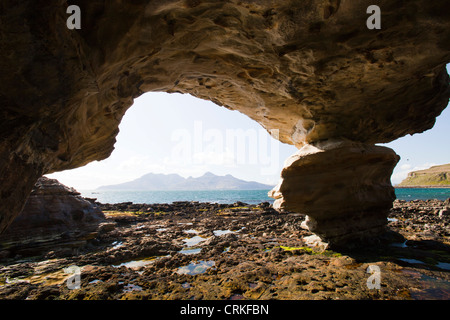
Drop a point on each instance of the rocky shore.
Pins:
(191, 250)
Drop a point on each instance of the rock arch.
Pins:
(308, 68)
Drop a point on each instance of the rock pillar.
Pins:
(343, 187)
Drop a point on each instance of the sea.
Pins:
(232, 196)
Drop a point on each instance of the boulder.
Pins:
(444, 212)
(54, 216)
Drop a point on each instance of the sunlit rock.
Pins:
(343, 187)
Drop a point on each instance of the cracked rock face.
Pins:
(309, 69)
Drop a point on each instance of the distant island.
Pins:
(166, 182)
(434, 177)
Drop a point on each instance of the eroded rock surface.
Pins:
(343, 187)
(309, 69)
(54, 216)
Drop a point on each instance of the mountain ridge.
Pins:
(175, 182)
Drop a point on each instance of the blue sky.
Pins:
(174, 133)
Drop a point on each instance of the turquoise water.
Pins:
(216, 196)
(422, 193)
(231, 196)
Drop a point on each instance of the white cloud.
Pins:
(402, 171)
(405, 167)
(133, 162)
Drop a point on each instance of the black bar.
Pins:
(273, 309)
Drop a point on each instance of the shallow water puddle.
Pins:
(411, 261)
(131, 287)
(192, 231)
(190, 242)
(117, 245)
(196, 268)
(399, 244)
(443, 265)
(190, 251)
(136, 264)
(95, 281)
(219, 233)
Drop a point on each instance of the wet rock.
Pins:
(134, 261)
